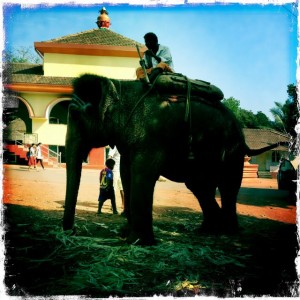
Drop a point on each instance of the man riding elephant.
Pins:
(157, 58)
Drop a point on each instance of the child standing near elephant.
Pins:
(107, 186)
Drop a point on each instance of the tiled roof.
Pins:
(103, 36)
(259, 138)
(31, 73)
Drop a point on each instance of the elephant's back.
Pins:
(208, 132)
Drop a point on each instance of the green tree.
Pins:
(278, 116)
(247, 118)
(233, 104)
(21, 55)
(286, 114)
(262, 120)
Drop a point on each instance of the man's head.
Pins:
(151, 40)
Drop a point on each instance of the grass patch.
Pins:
(43, 260)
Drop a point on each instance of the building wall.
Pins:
(50, 134)
(265, 162)
(39, 102)
(39, 105)
(68, 65)
(97, 157)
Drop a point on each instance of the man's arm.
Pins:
(151, 54)
(111, 152)
(163, 55)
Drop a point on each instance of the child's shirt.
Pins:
(106, 179)
(32, 151)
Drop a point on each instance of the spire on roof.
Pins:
(103, 20)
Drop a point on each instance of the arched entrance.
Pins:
(16, 117)
(59, 113)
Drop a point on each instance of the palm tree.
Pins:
(287, 114)
(279, 117)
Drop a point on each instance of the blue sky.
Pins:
(249, 51)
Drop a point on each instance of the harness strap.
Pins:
(140, 100)
(188, 118)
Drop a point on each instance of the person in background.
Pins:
(28, 154)
(157, 58)
(115, 155)
(39, 156)
(107, 186)
(32, 156)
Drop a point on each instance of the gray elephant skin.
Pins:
(154, 138)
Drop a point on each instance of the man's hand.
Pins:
(150, 53)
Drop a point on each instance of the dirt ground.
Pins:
(260, 260)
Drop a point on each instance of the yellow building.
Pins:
(42, 92)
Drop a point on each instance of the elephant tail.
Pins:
(254, 152)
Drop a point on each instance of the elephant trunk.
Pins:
(73, 166)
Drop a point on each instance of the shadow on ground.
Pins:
(256, 197)
(42, 260)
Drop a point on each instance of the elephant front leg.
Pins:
(73, 167)
(143, 179)
(73, 181)
(140, 219)
(125, 177)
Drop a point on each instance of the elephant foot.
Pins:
(70, 232)
(230, 231)
(228, 228)
(230, 224)
(68, 227)
(209, 228)
(124, 231)
(134, 239)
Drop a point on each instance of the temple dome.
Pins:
(103, 20)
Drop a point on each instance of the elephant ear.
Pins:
(89, 95)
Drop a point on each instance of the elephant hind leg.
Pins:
(229, 215)
(204, 190)
(229, 188)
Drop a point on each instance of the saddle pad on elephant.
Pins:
(175, 83)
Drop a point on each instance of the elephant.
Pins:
(197, 142)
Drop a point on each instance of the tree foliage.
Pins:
(286, 114)
(233, 104)
(21, 55)
(247, 118)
